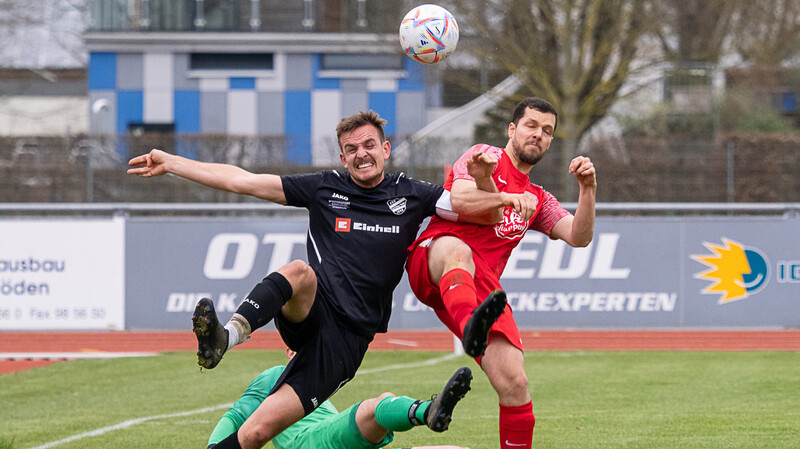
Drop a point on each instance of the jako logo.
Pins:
(735, 271)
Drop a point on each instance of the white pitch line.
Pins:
(71, 355)
(409, 343)
(409, 365)
(129, 423)
(133, 422)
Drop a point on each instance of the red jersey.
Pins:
(494, 243)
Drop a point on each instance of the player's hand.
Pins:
(584, 172)
(481, 165)
(523, 203)
(150, 164)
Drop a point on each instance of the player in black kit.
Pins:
(328, 311)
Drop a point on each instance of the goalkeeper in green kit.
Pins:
(368, 424)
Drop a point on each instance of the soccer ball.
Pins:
(428, 34)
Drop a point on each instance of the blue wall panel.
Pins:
(415, 79)
(102, 71)
(243, 83)
(129, 108)
(385, 104)
(187, 120)
(789, 101)
(187, 111)
(297, 126)
(322, 83)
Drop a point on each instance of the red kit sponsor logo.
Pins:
(512, 227)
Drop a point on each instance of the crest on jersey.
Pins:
(512, 227)
(397, 205)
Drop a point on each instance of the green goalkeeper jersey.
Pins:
(252, 398)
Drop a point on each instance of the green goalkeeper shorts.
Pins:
(326, 430)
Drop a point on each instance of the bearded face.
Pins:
(532, 135)
(529, 153)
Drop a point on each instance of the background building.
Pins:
(251, 68)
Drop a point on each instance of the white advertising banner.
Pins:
(62, 274)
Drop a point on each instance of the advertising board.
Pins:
(62, 274)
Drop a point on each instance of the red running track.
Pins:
(543, 340)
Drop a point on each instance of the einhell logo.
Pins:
(342, 225)
(734, 270)
(345, 225)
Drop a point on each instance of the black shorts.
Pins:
(328, 355)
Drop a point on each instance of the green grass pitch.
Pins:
(581, 399)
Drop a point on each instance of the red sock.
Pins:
(458, 295)
(516, 426)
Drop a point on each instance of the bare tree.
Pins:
(575, 53)
(695, 30)
(768, 31)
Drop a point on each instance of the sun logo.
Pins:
(735, 271)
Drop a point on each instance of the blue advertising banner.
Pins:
(637, 273)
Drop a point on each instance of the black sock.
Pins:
(231, 442)
(266, 300)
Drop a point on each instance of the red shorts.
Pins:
(485, 282)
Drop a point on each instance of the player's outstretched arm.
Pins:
(218, 176)
(480, 166)
(479, 201)
(474, 205)
(578, 230)
(480, 206)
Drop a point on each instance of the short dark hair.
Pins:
(537, 103)
(357, 121)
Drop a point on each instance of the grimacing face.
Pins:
(532, 135)
(364, 155)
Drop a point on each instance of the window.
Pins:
(363, 62)
(140, 129)
(231, 61)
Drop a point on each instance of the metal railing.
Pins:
(211, 209)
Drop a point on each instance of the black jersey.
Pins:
(357, 239)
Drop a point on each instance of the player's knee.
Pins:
(367, 415)
(385, 395)
(371, 404)
(452, 252)
(511, 382)
(256, 435)
(296, 269)
(518, 383)
(461, 252)
(366, 409)
(299, 274)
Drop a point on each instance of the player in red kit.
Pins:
(452, 267)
